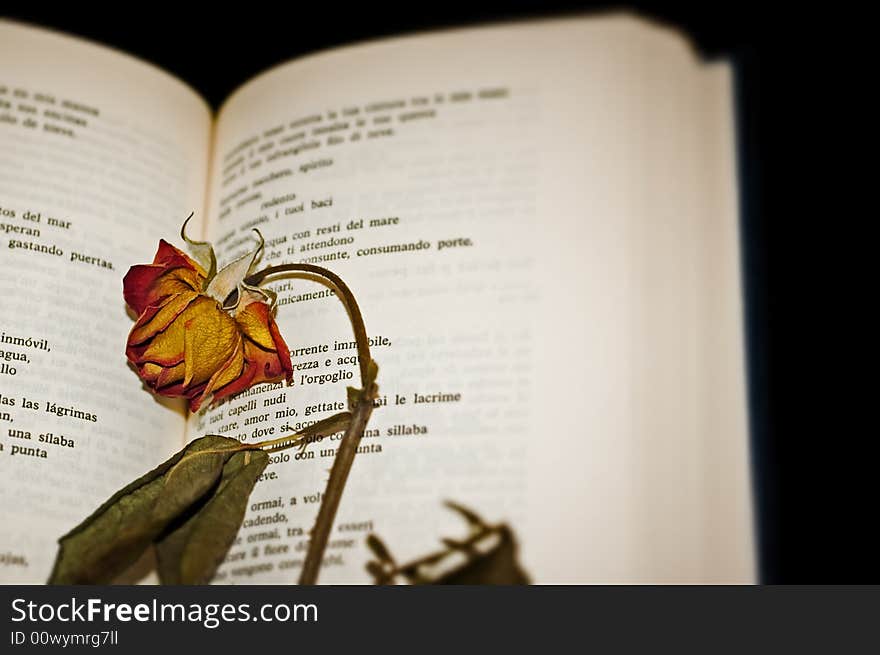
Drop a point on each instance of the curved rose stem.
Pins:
(347, 298)
(361, 414)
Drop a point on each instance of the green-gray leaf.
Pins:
(117, 533)
(191, 553)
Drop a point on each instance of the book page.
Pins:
(101, 155)
(552, 298)
(689, 402)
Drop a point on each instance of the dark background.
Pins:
(816, 507)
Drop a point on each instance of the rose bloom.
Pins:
(185, 343)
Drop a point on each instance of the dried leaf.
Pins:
(110, 540)
(191, 553)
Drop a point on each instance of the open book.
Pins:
(539, 221)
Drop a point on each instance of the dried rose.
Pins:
(202, 335)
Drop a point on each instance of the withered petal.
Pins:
(170, 375)
(247, 379)
(229, 372)
(171, 272)
(157, 318)
(254, 324)
(210, 336)
(261, 364)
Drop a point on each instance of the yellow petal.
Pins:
(166, 348)
(151, 372)
(229, 371)
(254, 326)
(159, 321)
(210, 337)
(171, 375)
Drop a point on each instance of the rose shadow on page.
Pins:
(488, 556)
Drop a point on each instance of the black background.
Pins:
(796, 116)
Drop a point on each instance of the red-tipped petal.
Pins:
(171, 272)
(258, 326)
